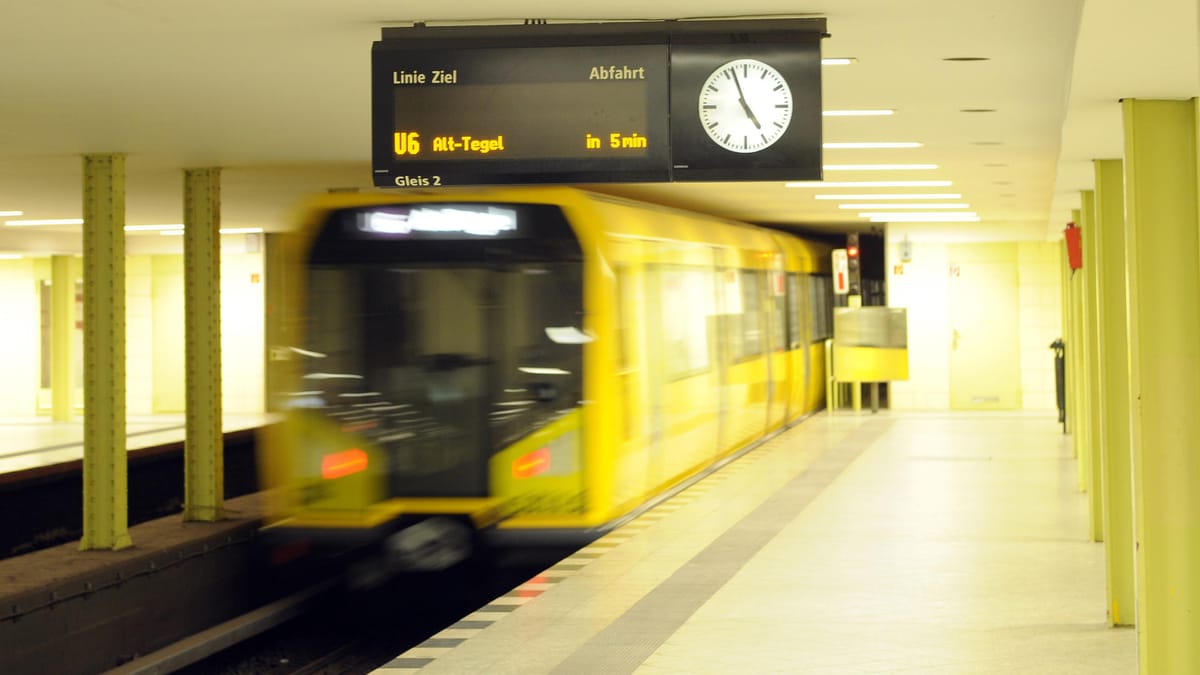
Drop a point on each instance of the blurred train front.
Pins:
(425, 345)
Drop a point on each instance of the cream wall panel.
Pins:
(139, 336)
(19, 338)
(1041, 316)
(921, 287)
(168, 346)
(242, 335)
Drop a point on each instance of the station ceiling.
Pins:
(276, 93)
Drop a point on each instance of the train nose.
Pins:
(433, 544)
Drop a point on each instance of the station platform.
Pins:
(888, 543)
(36, 442)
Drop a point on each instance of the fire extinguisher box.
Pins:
(1074, 246)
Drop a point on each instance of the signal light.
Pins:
(531, 464)
(852, 251)
(344, 463)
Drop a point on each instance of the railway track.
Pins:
(326, 629)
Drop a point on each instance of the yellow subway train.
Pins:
(522, 365)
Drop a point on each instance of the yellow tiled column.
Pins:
(105, 470)
(1091, 336)
(204, 472)
(1114, 391)
(1163, 246)
(1077, 353)
(1065, 333)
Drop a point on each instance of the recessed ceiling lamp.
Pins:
(51, 221)
(843, 198)
(879, 167)
(904, 206)
(11, 256)
(872, 144)
(839, 61)
(858, 113)
(11, 214)
(868, 183)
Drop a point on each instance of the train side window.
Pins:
(794, 336)
(687, 304)
(753, 316)
(778, 312)
(821, 299)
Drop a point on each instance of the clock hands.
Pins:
(742, 100)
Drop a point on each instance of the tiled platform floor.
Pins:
(28, 443)
(893, 543)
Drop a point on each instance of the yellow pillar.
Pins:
(62, 319)
(1065, 334)
(1162, 242)
(105, 490)
(1117, 477)
(1091, 337)
(1079, 384)
(204, 465)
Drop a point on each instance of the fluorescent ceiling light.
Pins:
(52, 221)
(917, 217)
(567, 335)
(839, 61)
(11, 256)
(223, 230)
(964, 219)
(534, 370)
(868, 183)
(879, 167)
(871, 144)
(846, 198)
(858, 113)
(153, 228)
(904, 206)
(11, 214)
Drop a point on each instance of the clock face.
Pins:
(745, 106)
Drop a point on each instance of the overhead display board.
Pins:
(593, 103)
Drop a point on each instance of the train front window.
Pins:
(442, 365)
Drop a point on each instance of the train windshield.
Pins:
(442, 352)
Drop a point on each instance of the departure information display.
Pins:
(595, 103)
(504, 115)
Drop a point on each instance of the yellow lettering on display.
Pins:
(407, 143)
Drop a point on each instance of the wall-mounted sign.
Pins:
(579, 103)
(841, 271)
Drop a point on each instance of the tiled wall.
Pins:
(154, 347)
(922, 286)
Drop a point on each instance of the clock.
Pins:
(745, 106)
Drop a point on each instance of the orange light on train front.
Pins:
(532, 464)
(343, 463)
